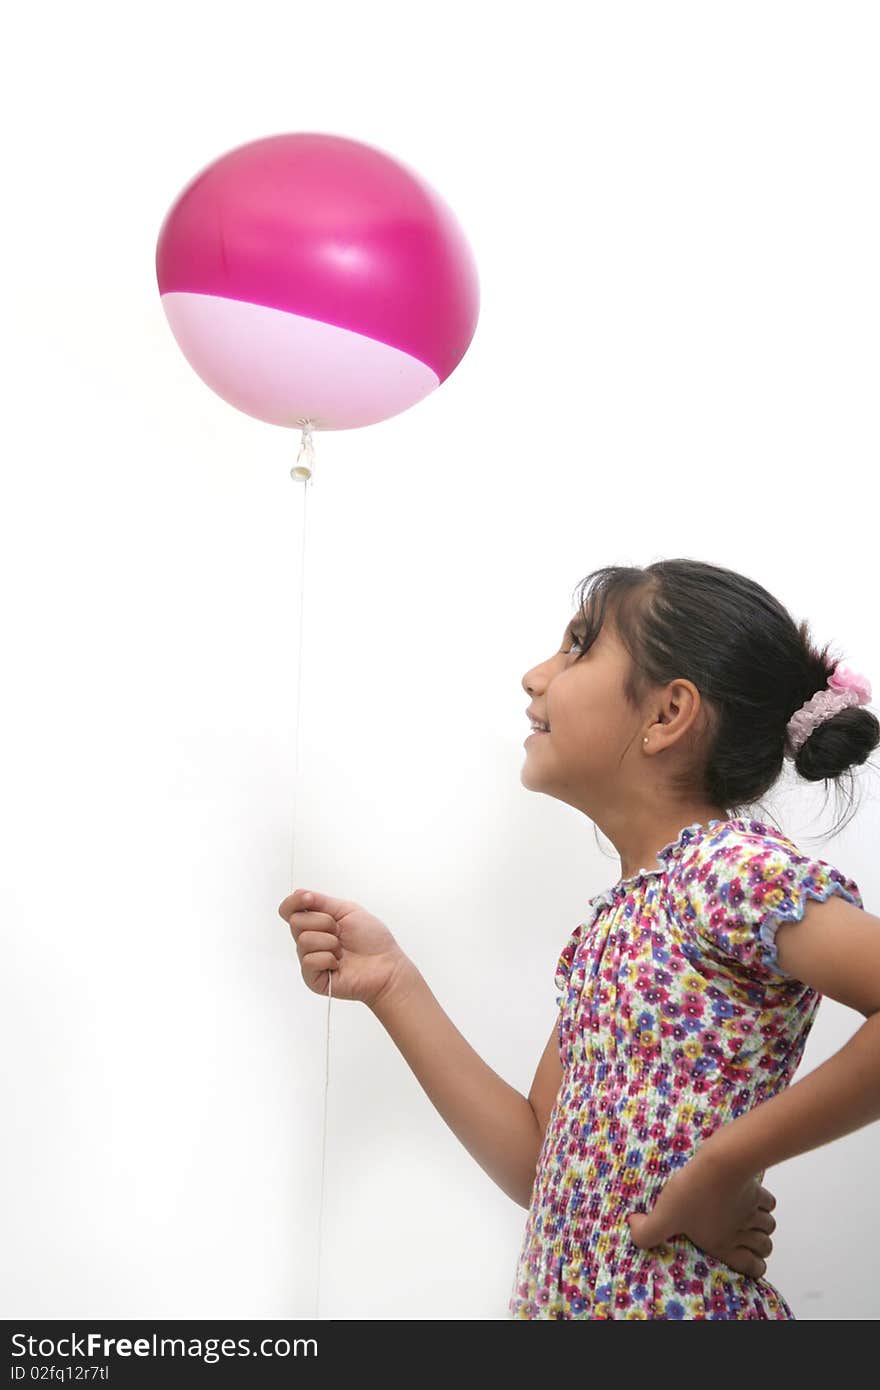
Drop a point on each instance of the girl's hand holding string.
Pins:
(720, 1212)
(334, 935)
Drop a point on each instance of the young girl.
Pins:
(687, 993)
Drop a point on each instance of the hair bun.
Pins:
(838, 743)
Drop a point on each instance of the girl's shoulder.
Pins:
(734, 881)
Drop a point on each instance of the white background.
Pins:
(674, 210)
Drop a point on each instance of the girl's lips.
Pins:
(536, 733)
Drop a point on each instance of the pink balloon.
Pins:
(311, 277)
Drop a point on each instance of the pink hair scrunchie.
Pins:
(845, 688)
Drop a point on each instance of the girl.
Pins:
(687, 993)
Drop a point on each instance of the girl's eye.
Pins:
(574, 643)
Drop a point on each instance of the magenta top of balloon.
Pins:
(330, 229)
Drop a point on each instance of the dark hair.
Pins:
(752, 664)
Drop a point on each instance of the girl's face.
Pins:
(595, 737)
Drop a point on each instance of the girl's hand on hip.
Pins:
(723, 1214)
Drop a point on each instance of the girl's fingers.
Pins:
(308, 941)
(766, 1198)
(321, 960)
(311, 925)
(294, 903)
(299, 921)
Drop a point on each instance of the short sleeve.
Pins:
(564, 964)
(736, 887)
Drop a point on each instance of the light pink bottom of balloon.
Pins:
(285, 369)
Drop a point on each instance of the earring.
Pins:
(644, 740)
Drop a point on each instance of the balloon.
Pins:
(309, 277)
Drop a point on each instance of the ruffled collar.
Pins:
(665, 856)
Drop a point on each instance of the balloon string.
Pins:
(302, 472)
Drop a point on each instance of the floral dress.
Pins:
(675, 1017)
